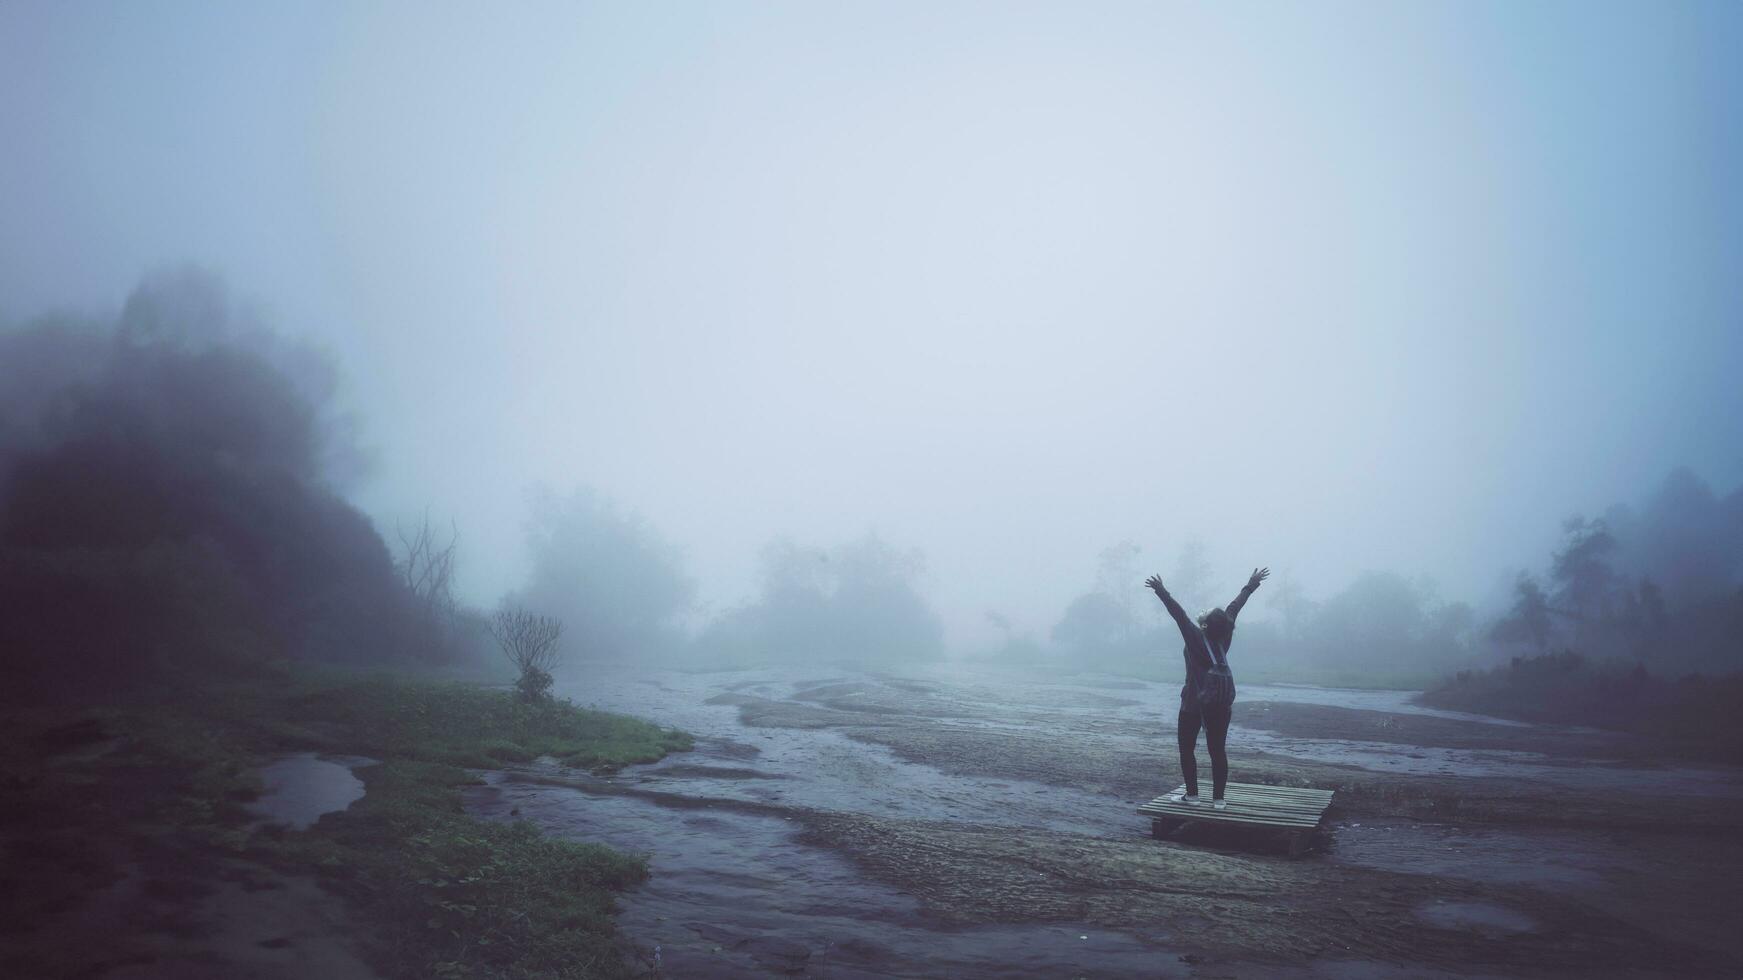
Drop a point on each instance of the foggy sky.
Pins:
(1326, 287)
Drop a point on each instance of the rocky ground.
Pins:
(1229, 904)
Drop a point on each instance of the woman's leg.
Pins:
(1187, 727)
(1216, 736)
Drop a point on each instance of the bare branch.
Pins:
(529, 642)
(427, 567)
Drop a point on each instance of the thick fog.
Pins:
(958, 295)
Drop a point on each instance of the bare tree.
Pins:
(530, 643)
(426, 566)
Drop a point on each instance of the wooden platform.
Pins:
(1289, 811)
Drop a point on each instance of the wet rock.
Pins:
(779, 955)
(768, 952)
(714, 933)
(65, 738)
(1483, 918)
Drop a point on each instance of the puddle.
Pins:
(1479, 917)
(301, 788)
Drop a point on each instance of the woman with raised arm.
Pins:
(1208, 697)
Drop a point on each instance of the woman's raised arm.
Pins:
(1189, 630)
(1252, 586)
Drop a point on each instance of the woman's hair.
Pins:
(1219, 626)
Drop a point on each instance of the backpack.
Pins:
(1216, 689)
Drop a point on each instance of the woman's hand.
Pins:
(1259, 575)
(1155, 584)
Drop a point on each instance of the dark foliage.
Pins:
(1698, 711)
(167, 504)
(1661, 584)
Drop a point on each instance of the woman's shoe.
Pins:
(1221, 804)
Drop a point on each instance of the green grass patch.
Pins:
(435, 721)
(451, 896)
(436, 893)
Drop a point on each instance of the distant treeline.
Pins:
(172, 498)
(622, 589)
(1637, 625)
(1381, 630)
(1660, 584)
(171, 504)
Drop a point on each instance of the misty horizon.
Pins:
(957, 489)
(1043, 288)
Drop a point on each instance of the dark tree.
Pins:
(1642, 619)
(1585, 582)
(1528, 621)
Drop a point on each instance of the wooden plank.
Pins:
(1232, 813)
(1247, 820)
(1262, 805)
(1224, 816)
(1262, 808)
(1320, 796)
(1270, 788)
(1269, 802)
(1265, 789)
(1184, 807)
(1248, 794)
(1286, 807)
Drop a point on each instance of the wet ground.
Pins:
(943, 822)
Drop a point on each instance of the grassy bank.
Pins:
(147, 803)
(1700, 716)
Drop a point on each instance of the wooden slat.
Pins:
(1268, 794)
(1249, 803)
(1224, 816)
(1264, 799)
(1239, 805)
(1233, 807)
(1209, 813)
(1235, 815)
(1268, 802)
(1227, 816)
(1282, 792)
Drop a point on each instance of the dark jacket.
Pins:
(1197, 652)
